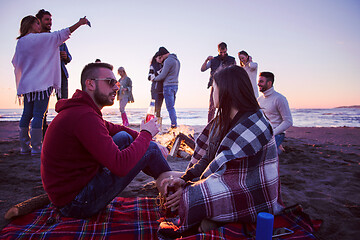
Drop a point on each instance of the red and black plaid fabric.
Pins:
(133, 218)
(240, 182)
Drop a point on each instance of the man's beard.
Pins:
(102, 99)
(45, 28)
(263, 89)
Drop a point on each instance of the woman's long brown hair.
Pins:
(26, 24)
(235, 90)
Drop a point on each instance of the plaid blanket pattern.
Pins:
(135, 218)
(123, 218)
(240, 182)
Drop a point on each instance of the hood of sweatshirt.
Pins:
(173, 55)
(80, 98)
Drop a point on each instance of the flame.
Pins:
(167, 137)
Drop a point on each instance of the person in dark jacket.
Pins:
(222, 60)
(156, 86)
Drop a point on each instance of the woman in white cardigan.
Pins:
(251, 68)
(37, 73)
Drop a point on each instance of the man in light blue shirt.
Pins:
(65, 57)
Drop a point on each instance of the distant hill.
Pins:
(354, 106)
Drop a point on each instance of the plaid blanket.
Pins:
(133, 218)
(240, 182)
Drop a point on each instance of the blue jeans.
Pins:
(122, 102)
(170, 96)
(105, 186)
(279, 139)
(159, 99)
(34, 109)
(64, 87)
(212, 109)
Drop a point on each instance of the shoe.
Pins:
(168, 230)
(207, 225)
(24, 138)
(36, 141)
(125, 119)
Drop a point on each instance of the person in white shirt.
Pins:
(37, 74)
(275, 106)
(251, 68)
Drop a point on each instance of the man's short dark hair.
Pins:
(222, 45)
(90, 71)
(269, 76)
(41, 13)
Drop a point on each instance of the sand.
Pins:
(320, 169)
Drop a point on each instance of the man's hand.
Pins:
(203, 67)
(209, 58)
(63, 56)
(151, 126)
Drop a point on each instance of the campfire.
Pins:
(179, 141)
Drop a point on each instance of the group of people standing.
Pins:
(39, 64)
(164, 75)
(87, 161)
(274, 104)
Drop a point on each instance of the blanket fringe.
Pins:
(32, 96)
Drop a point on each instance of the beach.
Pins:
(320, 169)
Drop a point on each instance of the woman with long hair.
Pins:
(156, 86)
(37, 74)
(235, 160)
(124, 94)
(251, 68)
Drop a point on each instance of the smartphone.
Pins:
(281, 232)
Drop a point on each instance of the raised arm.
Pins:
(204, 67)
(82, 21)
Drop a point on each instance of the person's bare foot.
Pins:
(12, 212)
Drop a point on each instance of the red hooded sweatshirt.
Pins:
(78, 142)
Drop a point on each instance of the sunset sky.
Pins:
(312, 46)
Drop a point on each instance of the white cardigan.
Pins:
(37, 63)
(251, 69)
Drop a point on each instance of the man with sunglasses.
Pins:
(87, 161)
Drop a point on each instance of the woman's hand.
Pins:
(172, 201)
(83, 21)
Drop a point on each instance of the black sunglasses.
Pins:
(111, 81)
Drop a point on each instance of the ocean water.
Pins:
(331, 117)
